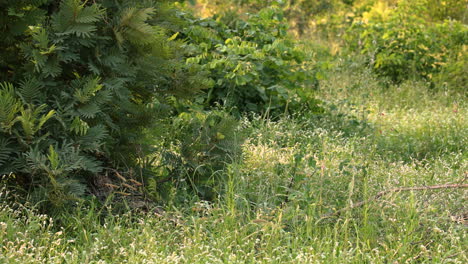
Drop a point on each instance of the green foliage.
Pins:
(256, 66)
(452, 73)
(84, 83)
(401, 44)
(208, 138)
(293, 172)
(15, 18)
(438, 10)
(83, 79)
(192, 152)
(209, 141)
(298, 13)
(9, 106)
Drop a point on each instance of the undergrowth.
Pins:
(292, 172)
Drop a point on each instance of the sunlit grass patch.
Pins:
(420, 135)
(275, 197)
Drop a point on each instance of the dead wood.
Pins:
(394, 190)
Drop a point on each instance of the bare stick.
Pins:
(395, 190)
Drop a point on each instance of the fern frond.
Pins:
(93, 139)
(89, 110)
(103, 97)
(5, 151)
(30, 89)
(39, 60)
(75, 18)
(92, 165)
(35, 161)
(81, 30)
(135, 18)
(51, 68)
(133, 26)
(79, 126)
(113, 58)
(9, 106)
(69, 56)
(89, 14)
(40, 37)
(32, 120)
(59, 161)
(53, 158)
(86, 89)
(72, 188)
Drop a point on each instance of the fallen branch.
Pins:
(395, 190)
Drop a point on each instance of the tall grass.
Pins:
(293, 172)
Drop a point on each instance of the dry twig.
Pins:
(395, 190)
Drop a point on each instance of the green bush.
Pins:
(402, 44)
(81, 81)
(452, 73)
(208, 142)
(298, 13)
(85, 83)
(255, 65)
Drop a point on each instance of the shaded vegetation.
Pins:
(136, 131)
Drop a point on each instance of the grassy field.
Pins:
(275, 201)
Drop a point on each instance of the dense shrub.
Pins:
(208, 142)
(452, 73)
(255, 65)
(84, 82)
(401, 43)
(298, 13)
(81, 80)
